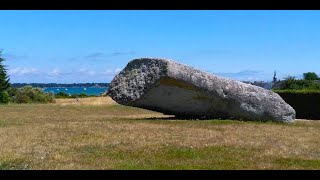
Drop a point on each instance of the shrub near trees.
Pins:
(310, 82)
(62, 95)
(29, 94)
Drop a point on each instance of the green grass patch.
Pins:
(293, 163)
(16, 164)
(170, 157)
(7, 123)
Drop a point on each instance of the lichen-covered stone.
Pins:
(172, 88)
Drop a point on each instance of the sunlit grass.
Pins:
(100, 134)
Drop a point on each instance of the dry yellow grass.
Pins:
(97, 133)
(86, 101)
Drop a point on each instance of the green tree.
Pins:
(4, 81)
(310, 76)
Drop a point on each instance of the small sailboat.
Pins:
(85, 89)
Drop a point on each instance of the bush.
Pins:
(82, 95)
(21, 98)
(62, 95)
(65, 95)
(12, 91)
(4, 98)
(50, 98)
(29, 94)
(305, 102)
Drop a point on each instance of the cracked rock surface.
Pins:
(172, 88)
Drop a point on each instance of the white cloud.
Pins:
(91, 73)
(122, 53)
(54, 72)
(248, 75)
(23, 71)
(82, 74)
(108, 72)
(95, 55)
(111, 72)
(82, 70)
(85, 71)
(117, 70)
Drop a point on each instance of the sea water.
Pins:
(77, 90)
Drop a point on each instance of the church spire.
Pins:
(274, 77)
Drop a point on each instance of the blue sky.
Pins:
(92, 46)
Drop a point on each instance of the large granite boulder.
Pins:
(166, 86)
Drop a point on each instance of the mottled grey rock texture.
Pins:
(166, 86)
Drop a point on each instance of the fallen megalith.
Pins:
(172, 88)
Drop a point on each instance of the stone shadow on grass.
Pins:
(188, 118)
(203, 118)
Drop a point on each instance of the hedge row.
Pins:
(305, 102)
(302, 91)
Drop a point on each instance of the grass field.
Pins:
(97, 133)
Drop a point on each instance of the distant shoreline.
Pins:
(62, 85)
